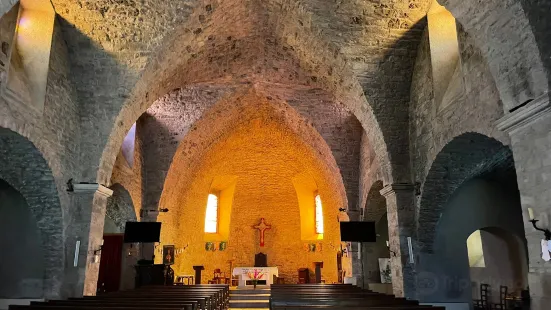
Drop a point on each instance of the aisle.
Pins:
(247, 298)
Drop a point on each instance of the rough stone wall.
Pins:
(57, 141)
(120, 208)
(475, 110)
(536, 12)
(533, 174)
(382, 55)
(516, 62)
(163, 126)
(25, 170)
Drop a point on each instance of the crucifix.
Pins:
(262, 227)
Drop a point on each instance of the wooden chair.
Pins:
(217, 277)
(483, 302)
(502, 305)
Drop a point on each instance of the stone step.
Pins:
(250, 291)
(249, 303)
(264, 296)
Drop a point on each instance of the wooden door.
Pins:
(109, 277)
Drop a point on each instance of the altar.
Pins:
(263, 273)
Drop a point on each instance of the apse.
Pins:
(259, 169)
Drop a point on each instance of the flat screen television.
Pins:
(145, 232)
(358, 232)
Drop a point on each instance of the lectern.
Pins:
(198, 270)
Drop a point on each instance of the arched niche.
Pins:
(25, 170)
(22, 259)
(489, 205)
(465, 157)
(265, 144)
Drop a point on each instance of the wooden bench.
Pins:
(336, 297)
(193, 297)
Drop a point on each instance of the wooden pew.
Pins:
(336, 297)
(212, 297)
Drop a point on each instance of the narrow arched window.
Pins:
(319, 215)
(211, 217)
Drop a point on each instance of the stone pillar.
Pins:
(400, 201)
(530, 130)
(88, 203)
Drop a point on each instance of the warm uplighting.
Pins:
(319, 215)
(211, 217)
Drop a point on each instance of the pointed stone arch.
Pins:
(217, 56)
(464, 157)
(25, 169)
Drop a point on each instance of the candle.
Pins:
(101, 241)
(531, 213)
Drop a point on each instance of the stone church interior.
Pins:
(251, 154)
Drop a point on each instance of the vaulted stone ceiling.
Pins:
(127, 53)
(111, 42)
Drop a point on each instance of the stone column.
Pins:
(400, 201)
(530, 130)
(88, 203)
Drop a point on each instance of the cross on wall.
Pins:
(262, 227)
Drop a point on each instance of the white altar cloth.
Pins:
(268, 274)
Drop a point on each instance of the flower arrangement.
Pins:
(255, 275)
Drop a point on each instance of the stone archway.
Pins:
(177, 66)
(375, 211)
(26, 171)
(120, 209)
(22, 266)
(464, 157)
(446, 274)
(255, 133)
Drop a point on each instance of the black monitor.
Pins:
(142, 232)
(358, 232)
